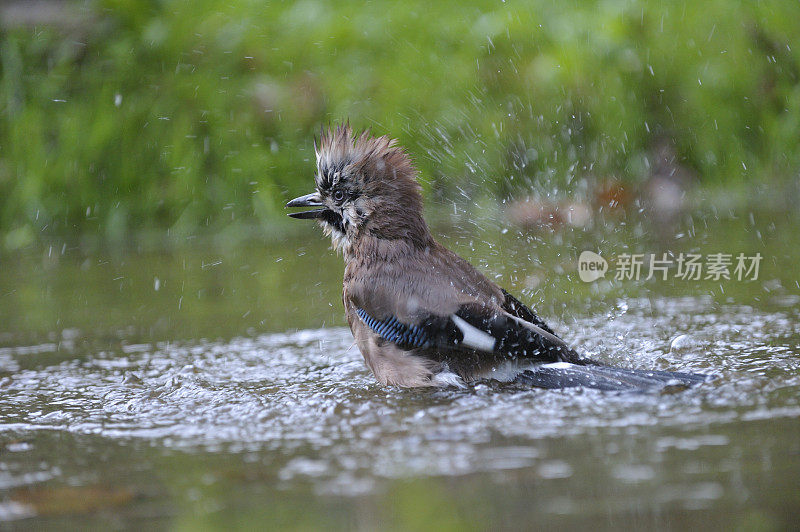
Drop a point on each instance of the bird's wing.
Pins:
(516, 308)
(472, 327)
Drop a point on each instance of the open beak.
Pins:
(309, 200)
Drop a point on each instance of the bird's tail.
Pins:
(600, 377)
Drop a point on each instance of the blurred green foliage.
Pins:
(181, 115)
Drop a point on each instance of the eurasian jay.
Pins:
(420, 314)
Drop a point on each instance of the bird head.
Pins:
(365, 187)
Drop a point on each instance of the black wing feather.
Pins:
(513, 338)
(515, 307)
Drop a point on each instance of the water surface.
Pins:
(217, 386)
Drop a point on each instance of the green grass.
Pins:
(189, 116)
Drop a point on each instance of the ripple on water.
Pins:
(308, 395)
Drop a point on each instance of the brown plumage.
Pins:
(420, 314)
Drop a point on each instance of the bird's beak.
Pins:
(309, 200)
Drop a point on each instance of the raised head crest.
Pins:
(366, 188)
(340, 152)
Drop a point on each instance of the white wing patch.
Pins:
(474, 337)
(558, 365)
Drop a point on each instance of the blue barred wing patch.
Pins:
(391, 330)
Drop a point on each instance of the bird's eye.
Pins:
(338, 195)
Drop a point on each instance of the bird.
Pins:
(421, 315)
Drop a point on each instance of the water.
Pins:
(129, 402)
